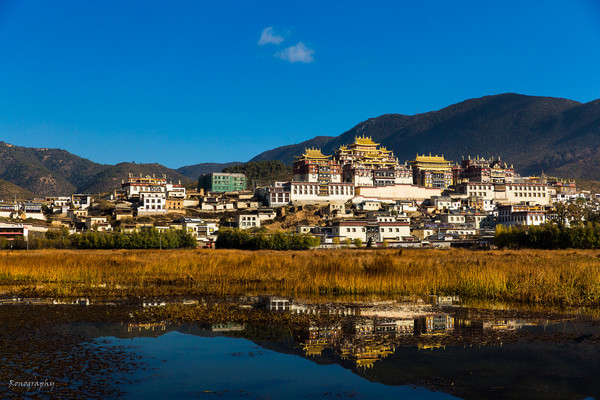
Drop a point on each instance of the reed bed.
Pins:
(552, 277)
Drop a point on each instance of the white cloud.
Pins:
(269, 36)
(297, 53)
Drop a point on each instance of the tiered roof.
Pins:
(365, 141)
(431, 159)
(312, 154)
(368, 151)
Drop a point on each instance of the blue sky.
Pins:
(180, 83)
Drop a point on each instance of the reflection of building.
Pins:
(395, 327)
(321, 337)
(443, 300)
(278, 304)
(430, 346)
(435, 323)
(484, 325)
(364, 352)
(330, 333)
(147, 326)
(331, 309)
(361, 327)
(227, 327)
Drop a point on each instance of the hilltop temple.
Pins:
(365, 163)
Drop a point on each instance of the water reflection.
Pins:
(432, 342)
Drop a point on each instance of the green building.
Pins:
(222, 182)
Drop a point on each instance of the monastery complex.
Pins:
(365, 171)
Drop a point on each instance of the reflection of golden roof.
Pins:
(365, 363)
(313, 349)
(312, 153)
(422, 346)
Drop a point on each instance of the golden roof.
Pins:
(312, 153)
(431, 158)
(364, 140)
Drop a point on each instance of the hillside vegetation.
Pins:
(54, 172)
(261, 173)
(10, 191)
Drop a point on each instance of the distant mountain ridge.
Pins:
(55, 172)
(10, 192)
(194, 171)
(558, 136)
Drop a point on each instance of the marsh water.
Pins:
(287, 348)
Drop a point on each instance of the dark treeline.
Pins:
(262, 171)
(149, 238)
(549, 236)
(237, 239)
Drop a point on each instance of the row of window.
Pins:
(480, 187)
(314, 190)
(363, 229)
(512, 218)
(153, 200)
(534, 194)
(280, 197)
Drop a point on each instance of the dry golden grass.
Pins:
(561, 277)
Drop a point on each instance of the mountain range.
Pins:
(557, 136)
(537, 134)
